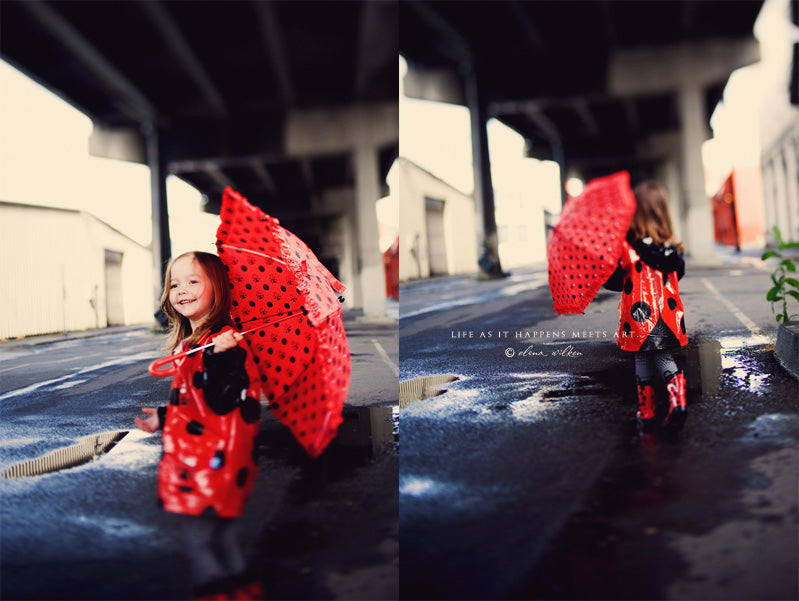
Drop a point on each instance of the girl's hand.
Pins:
(149, 424)
(226, 341)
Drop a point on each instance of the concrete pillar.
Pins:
(699, 239)
(161, 244)
(367, 191)
(668, 174)
(489, 266)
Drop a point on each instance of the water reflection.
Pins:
(708, 360)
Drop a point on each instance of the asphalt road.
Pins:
(323, 529)
(526, 478)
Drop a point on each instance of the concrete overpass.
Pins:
(597, 86)
(293, 104)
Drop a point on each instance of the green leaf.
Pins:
(792, 282)
(789, 265)
(794, 294)
(769, 254)
(789, 245)
(773, 295)
(779, 317)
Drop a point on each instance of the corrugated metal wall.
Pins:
(53, 272)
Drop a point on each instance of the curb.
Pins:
(787, 347)
(40, 339)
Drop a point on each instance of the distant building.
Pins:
(780, 167)
(66, 270)
(437, 226)
(779, 119)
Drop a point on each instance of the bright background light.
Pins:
(44, 160)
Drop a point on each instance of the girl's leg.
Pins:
(675, 388)
(197, 535)
(644, 375)
(227, 547)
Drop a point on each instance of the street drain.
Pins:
(425, 387)
(88, 449)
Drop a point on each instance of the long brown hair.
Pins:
(652, 218)
(219, 313)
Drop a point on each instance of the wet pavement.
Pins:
(321, 529)
(527, 479)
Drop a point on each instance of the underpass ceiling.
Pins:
(217, 79)
(543, 66)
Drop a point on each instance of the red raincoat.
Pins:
(651, 313)
(209, 433)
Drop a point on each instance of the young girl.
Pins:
(651, 314)
(207, 470)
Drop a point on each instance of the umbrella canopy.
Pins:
(284, 291)
(586, 245)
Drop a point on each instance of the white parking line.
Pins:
(748, 323)
(392, 366)
(110, 363)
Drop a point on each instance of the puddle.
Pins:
(87, 449)
(709, 361)
(424, 387)
(366, 435)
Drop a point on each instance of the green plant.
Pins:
(780, 291)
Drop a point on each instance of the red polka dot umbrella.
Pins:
(288, 301)
(585, 247)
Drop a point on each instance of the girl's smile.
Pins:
(190, 292)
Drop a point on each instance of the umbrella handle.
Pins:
(155, 366)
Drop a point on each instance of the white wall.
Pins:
(415, 186)
(52, 269)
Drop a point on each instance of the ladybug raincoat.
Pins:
(651, 313)
(210, 425)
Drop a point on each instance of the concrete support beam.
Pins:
(325, 131)
(489, 265)
(435, 85)
(361, 131)
(699, 236)
(219, 176)
(272, 38)
(161, 244)
(118, 143)
(173, 38)
(684, 69)
(655, 70)
(127, 97)
(367, 191)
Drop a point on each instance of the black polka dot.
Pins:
(195, 428)
(174, 397)
(682, 325)
(250, 410)
(672, 304)
(197, 379)
(627, 328)
(641, 311)
(241, 477)
(639, 266)
(628, 286)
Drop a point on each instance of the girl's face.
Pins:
(190, 290)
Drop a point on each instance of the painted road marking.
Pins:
(750, 325)
(392, 366)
